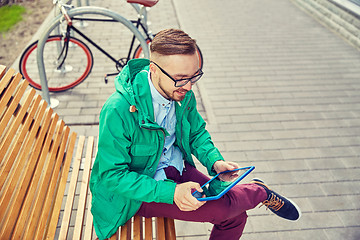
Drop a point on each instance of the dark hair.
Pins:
(172, 42)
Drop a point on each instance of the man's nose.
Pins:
(187, 86)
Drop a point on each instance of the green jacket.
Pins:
(129, 149)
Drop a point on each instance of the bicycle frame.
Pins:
(120, 63)
(91, 41)
(140, 22)
(81, 11)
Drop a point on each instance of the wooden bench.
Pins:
(38, 197)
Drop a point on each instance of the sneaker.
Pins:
(280, 205)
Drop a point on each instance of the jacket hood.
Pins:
(132, 84)
(125, 81)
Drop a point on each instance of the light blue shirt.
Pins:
(164, 112)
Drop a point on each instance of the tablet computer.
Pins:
(220, 184)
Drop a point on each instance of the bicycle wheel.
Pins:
(138, 53)
(76, 67)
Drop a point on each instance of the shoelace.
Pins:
(274, 203)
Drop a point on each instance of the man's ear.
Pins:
(152, 68)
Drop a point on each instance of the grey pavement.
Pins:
(280, 92)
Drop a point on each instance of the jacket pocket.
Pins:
(141, 154)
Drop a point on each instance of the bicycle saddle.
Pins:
(146, 3)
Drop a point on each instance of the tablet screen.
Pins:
(222, 183)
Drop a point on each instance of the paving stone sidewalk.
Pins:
(284, 92)
(280, 92)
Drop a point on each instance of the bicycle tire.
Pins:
(78, 64)
(138, 53)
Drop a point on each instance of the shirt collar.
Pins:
(156, 96)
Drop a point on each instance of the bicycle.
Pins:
(68, 59)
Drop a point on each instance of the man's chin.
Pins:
(179, 96)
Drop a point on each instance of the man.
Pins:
(149, 130)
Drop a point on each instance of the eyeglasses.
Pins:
(183, 81)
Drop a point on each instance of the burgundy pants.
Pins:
(228, 214)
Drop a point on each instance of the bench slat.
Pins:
(5, 79)
(8, 155)
(2, 70)
(43, 184)
(46, 209)
(71, 191)
(6, 98)
(31, 194)
(116, 236)
(138, 227)
(61, 188)
(14, 101)
(148, 229)
(14, 174)
(126, 231)
(170, 233)
(25, 181)
(160, 228)
(89, 221)
(84, 189)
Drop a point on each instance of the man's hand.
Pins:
(183, 197)
(221, 166)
